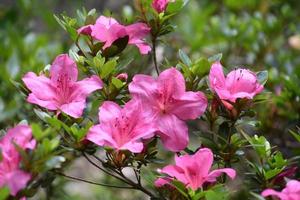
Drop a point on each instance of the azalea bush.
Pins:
(183, 127)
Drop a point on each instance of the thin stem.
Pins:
(93, 183)
(97, 166)
(154, 55)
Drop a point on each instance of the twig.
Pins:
(93, 183)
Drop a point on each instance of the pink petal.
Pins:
(161, 182)
(17, 180)
(271, 192)
(171, 83)
(63, 68)
(175, 172)
(143, 86)
(243, 83)
(133, 146)
(21, 135)
(109, 111)
(160, 5)
(98, 134)
(106, 21)
(85, 30)
(109, 34)
(43, 93)
(143, 46)
(292, 186)
(216, 173)
(216, 76)
(137, 30)
(173, 132)
(190, 105)
(49, 104)
(83, 88)
(73, 109)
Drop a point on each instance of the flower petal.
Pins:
(173, 132)
(17, 180)
(271, 192)
(109, 111)
(190, 105)
(73, 109)
(63, 67)
(171, 83)
(143, 86)
(83, 88)
(43, 93)
(216, 173)
(216, 76)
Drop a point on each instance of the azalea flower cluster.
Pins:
(156, 107)
(11, 175)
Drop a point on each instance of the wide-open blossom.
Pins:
(122, 128)
(61, 91)
(11, 175)
(169, 104)
(160, 5)
(239, 83)
(108, 30)
(290, 192)
(193, 170)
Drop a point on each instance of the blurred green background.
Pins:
(257, 34)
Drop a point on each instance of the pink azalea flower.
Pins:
(193, 170)
(239, 83)
(290, 192)
(122, 76)
(170, 105)
(160, 5)
(108, 30)
(61, 91)
(10, 173)
(122, 128)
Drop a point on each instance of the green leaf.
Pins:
(262, 77)
(176, 6)
(201, 67)
(117, 83)
(108, 68)
(38, 133)
(184, 58)
(180, 187)
(296, 135)
(272, 173)
(4, 193)
(215, 58)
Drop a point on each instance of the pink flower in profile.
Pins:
(193, 170)
(108, 30)
(122, 76)
(10, 173)
(239, 83)
(170, 105)
(290, 192)
(160, 5)
(122, 128)
(61, 91)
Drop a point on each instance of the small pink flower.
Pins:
(122, 128)
(193, 170)
(160, 5)
(61, 91)
(10, 173)
(290, 192)
(169, 104)
(108, 30)
(122, 76)
(239, 83)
